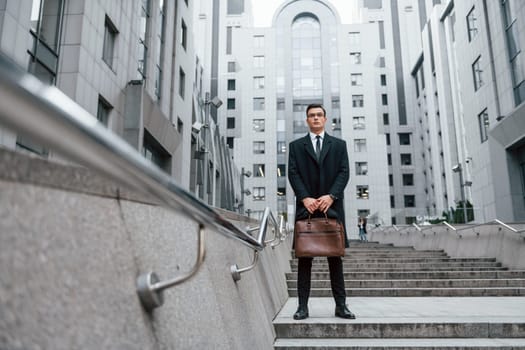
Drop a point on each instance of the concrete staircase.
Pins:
(409, 299)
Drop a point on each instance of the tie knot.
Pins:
(318, 137)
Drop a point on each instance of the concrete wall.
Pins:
(489, 240)
(71, 248)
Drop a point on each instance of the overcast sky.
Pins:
(263, 10)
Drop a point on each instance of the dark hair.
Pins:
(315, 105)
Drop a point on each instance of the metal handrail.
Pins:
(48, 116)
(280, 234)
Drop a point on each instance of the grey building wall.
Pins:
(492, 175)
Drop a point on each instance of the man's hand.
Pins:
(311, 204)
(324, 202)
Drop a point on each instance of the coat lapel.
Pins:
(327, 143)
(308, 147)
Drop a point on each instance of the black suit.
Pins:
(314, 178)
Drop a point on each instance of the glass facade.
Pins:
(307, 65)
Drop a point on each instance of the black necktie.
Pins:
(318, 146)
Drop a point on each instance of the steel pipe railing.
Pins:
(48, 116)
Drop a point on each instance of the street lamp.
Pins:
(216, 102)
(243, 191)
(458, 169)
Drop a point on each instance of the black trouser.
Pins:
(304, 276)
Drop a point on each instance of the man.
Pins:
(318, 172)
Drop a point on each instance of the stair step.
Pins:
(409, 266)
(417, 292)
(354, 262)
(412, 343)
(424, 283)
(417, 275)
(413, 269)
(405, 259)
(437, 329)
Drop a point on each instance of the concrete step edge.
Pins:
(393, 343)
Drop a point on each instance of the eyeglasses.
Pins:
(313, 115)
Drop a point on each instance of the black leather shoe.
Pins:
(343, 312)
(301, 313)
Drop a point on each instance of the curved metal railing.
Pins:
(48, 116)
(458, 229)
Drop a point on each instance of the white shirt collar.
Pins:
(312, 136)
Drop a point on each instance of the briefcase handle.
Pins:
(310, 217)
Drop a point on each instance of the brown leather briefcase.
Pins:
(319, 237)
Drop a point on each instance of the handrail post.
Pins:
(150, 288)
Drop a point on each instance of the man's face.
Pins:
(316, 120)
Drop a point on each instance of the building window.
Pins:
(471, 24)
(46, 25)
(355, 38)
(387, 138)
(383, 79)
(404, 138)
(235, 7)
(183, 34)
(361, 168)
(258, 61)
(408, 179)
(359, 123)
(390, 180)
(522, 167)
(231, 67)
(355, 57)
(231, 84)
(384, 99)
(389, 158)
(258, 147)
(409, 220)
(392, 202)
(363, 213)
(281, 191)
(356, 79)
(110, 37)
(406, 159)
(281, 170)
(229, 40)
(281, 147)
(477, 73)
(483, 120)
(258, 125)
(410, 201)
(514, 50)
(362, 191)
(229, 142)
(258, 170)
(258, 41)
(357, 101)
(258, 104)
(386, 120)
(230, 103)
(152, 150)
(258, 83)
(230, 123)
(360, 145)
(373, 4)
(280, 105)
(182, 83)
(143, 47)
(382, 62)
(160, 48)
(259, 193)
(103, 110)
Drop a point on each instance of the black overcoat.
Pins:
(311, 178)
